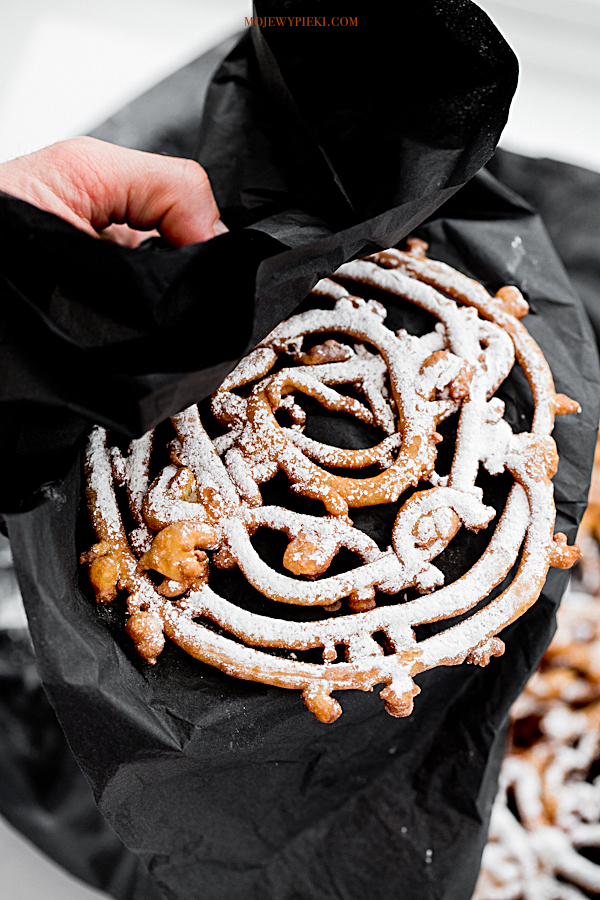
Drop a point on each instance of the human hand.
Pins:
(110, 191)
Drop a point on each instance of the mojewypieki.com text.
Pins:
(301, 21)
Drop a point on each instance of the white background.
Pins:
(65, 65)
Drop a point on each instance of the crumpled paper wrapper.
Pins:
(225, 788)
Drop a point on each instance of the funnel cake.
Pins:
(545, 826)
(202, 509)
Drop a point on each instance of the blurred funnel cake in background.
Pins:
(544, 837)
(545, 830)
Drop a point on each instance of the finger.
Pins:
(126, 236)
(192, 214)
(148, 191)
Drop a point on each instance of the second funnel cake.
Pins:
(202, 509)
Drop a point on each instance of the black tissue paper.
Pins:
(318, 152)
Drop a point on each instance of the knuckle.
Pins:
(81, 145)
(193, 172)
(83, 140)
(74, 150)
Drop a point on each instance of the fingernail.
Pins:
(220, 227)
